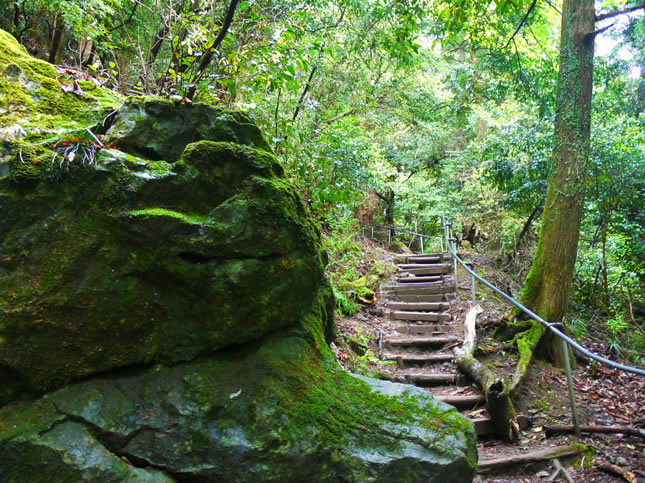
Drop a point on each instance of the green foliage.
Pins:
(345, 256)
(516, 159)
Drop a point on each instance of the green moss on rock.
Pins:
(280, 412)
(133, 261)
(31, 97)
(160, 129)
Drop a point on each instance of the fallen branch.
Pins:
(560, 469)
(551, 430)
(498, 400)
(487, 466)
(617, 470)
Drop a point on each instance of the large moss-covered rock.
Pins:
(280, 412)
(136, 260)
(160, 130)
(133, 262)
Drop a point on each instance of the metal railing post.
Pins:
(472, 283)
(473, 289)
(572, 396)
(372, 232)
(422, 250)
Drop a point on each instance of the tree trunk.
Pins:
(57, 39)
(548, 283)
(388, 199)
(208, 55)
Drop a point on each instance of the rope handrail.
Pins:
(549, 325)
(403, 231)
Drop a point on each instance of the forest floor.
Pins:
(604, 396)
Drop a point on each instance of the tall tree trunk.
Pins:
(388, 198)
(548, 283)
(57, 39)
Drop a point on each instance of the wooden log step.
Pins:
(419, 329)
(404, 267)
(446, 281)
(414, 290)
(446, 339)
(419, 358)
(431, 270)
(431, 283)
(489, 466)
(423, 297)
(434, 306)
(407, 315)
(426, 258)
(485, 426)
(427, 380)
(461, 401)
(436, 278)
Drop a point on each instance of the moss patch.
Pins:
(31, 96)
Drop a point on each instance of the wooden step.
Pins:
(425, 269)
(485, 426)
(438, 281)
(423, 289)
(461, 401)
(435, 278)
(427, 258)
(427, 380)
(438, 340)
(409, 315)
(424, 297)
(404, 267)
(420, 329)
(434, 306)
(403, 359)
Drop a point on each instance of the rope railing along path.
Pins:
(450, 244)
(553, 327)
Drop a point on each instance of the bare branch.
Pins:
(526, 16)
(128, 20)
(599, 31)
(603, 16)
(208, 56)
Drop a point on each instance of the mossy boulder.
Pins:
(127, 261)
(134, 261)
(158, 129)
(282, 411)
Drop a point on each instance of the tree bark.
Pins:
(549, 281)
(388, 198)
(525, 229)
(57, 39)
(208, 56)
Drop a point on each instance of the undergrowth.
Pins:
(354, 275)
